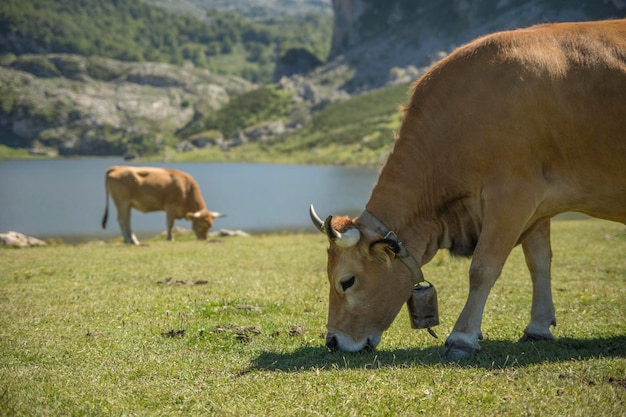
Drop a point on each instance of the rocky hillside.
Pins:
(61, 104)
(252, 9)
(75, 105)
(378, 40)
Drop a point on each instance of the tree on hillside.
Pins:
(132, 30)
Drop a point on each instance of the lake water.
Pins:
(65, 198)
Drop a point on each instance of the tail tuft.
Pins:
(106, 205)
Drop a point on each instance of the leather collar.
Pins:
(368, 219)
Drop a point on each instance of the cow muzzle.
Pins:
(341, 342)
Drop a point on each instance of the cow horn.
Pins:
(216, 214)
(317, 222)
(347, 239)
(329, 231)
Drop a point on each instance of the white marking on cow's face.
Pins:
(201, 222)
(367, 290)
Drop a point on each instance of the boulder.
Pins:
(18, 239)
(229, 233)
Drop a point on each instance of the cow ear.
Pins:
(189, 216)
(384, 250)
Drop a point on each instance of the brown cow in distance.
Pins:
(150, 189)
(497, 138)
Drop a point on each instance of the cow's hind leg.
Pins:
(170, 214)
(538, 256)
(503, 222)
(123, 218)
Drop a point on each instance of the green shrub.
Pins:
(132, 30)
(263, 104)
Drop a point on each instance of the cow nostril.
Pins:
(331, 342)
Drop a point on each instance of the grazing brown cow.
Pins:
(154, 189)
(497, 138)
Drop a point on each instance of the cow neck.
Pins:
(368, 219)
(195, 202)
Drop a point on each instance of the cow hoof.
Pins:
(528, 337)
(456, 352)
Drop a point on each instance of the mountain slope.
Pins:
(251, 9)
(131, 30)
(75, 105)
(374, 36)
(80, 105)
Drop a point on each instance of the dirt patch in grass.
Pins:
(297, 331)
(242, 333)
(170, 281)
(245, 307)
(616, 382)
(611, 380)
(174, 333)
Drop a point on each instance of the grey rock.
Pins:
(18, 239)
(229, 233)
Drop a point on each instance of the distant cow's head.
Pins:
(367, 286)
(201, 222)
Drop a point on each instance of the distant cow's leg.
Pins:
(170, 219)
(123, 218)
(501, 229)
(538, 256)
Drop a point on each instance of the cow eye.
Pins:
(345, 284)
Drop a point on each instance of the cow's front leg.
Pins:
(170, 219)
(538, 255)
(463, 341)
(504, 221)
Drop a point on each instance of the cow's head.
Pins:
(368, 286)
(201, 222)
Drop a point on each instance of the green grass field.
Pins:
(235, 327)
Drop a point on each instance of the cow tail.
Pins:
(106, 204)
